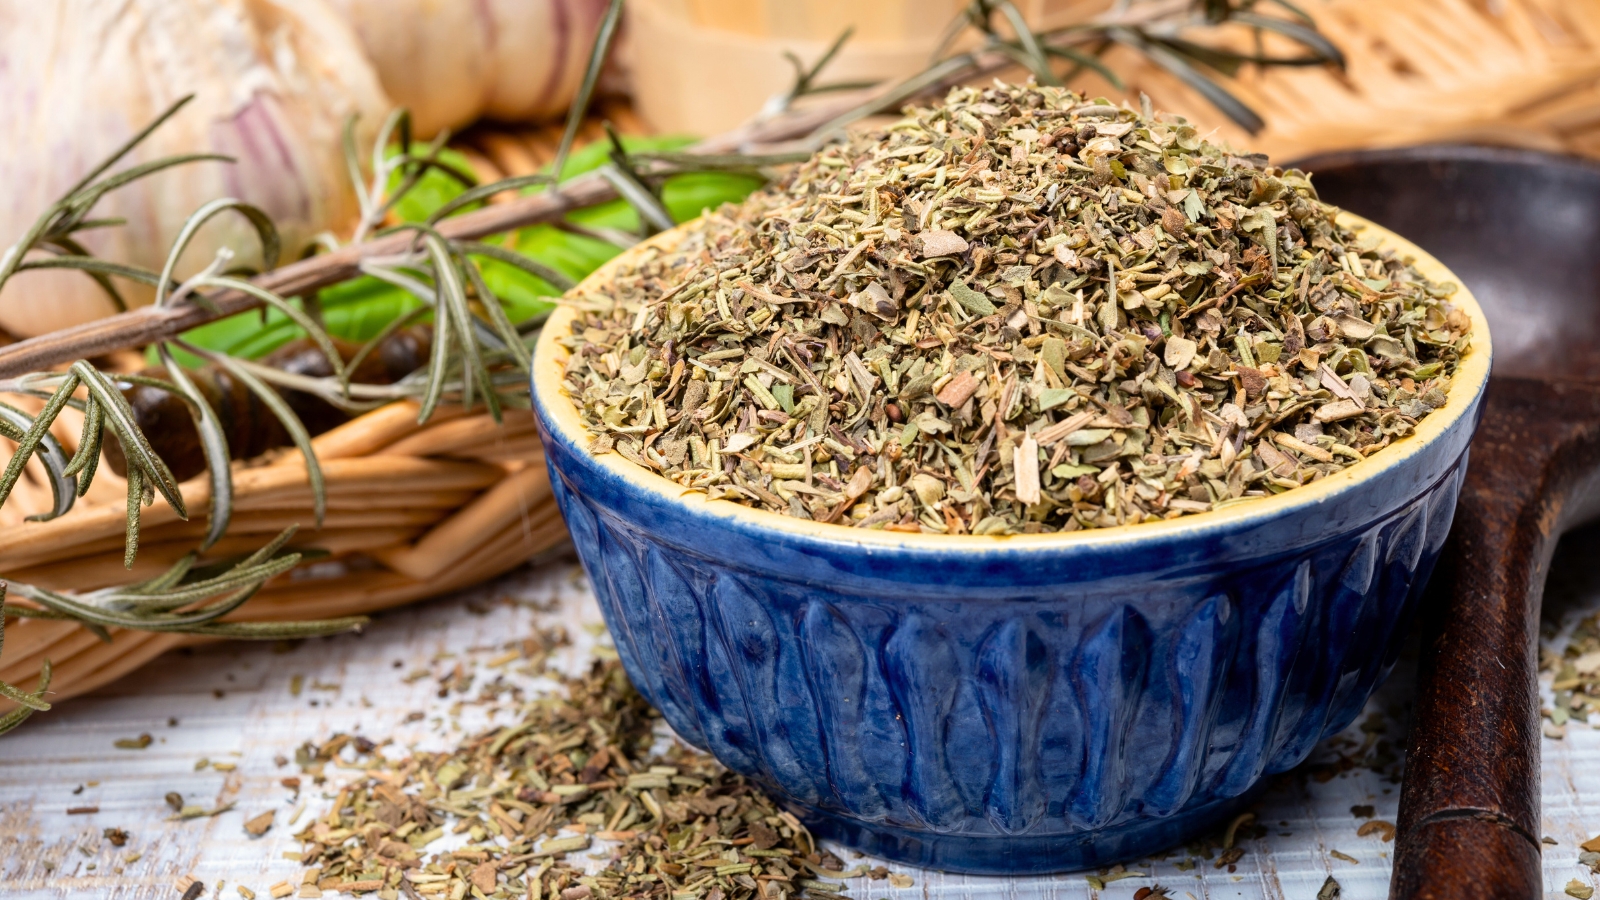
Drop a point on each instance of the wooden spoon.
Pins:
(1522, 229)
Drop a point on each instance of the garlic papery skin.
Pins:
(452, 62)
(274, 81)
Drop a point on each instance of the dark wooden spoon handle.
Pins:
(1469, 807)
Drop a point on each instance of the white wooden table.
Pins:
(232, 703)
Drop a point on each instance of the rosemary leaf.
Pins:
(97, 267)
(291, 423)
(591, 77)
(276, 631)
(453, 304)
(16, 717)
(213, 443)
(507, 332)
(437, 363)
(174, 574)
(89, 440)
(1184, 71)
(296, 314)
(135, 501)
(557, 279)
(37, 437)
(65, 245)
(258, 219)
(80, 202)
(16, 695)
(484, 192)
(653, 217)
(130, 143)
(1036, 61)
(135, 446)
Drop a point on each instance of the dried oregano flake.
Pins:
(1021, 311)
(573, 777)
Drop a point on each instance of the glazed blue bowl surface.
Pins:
(1021, 704)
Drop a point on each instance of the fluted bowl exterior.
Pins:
(1024, 704)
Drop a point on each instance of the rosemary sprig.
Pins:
(591, 77)
(473, 336)
(27, 703)
(169, 602)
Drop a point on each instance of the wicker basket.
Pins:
(1512, 72)
(413, 511)
(1522, 73)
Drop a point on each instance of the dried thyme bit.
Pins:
(573, 775)
(1574, 671)
(199, 812)
(138, 743)
(1576, 888)
(1385, 830)
(260, 824)
(1020, 311)
(1329, 890)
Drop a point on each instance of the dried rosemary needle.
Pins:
(1019, 311)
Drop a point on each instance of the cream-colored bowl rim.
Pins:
(550, 359)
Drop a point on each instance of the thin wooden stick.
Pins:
(149, 324)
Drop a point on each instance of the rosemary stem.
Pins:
(147, 325)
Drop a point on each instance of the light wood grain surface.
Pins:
(233, 704)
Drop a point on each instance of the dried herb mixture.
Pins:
(1020, 311)
(575, 771)
(1574, 670)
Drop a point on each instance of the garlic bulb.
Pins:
(274, 81)
(451, 62)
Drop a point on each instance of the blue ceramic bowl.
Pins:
(1019, 704)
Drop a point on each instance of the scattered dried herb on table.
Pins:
(1020, 311)
(575, 775)
(1575, 677)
